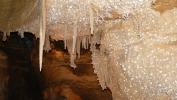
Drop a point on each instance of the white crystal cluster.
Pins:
(138, 56)
(85, 14)
(70, 20)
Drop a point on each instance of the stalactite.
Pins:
(86, 42)
(4, 36)
(75, 55)
(74, 37)
(92, 44)
(22, 34)
(65, 35)
(78, 46)
(72, 55)
(42, 23)
(96, 9)
(91, 18)
(89, 38)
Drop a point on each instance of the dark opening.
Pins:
(23, 83)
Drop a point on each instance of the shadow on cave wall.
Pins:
(23, 83)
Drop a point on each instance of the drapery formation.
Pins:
(137, 56)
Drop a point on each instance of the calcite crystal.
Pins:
(139, 62)
(137, 58)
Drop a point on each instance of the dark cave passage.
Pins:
(23, 83)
